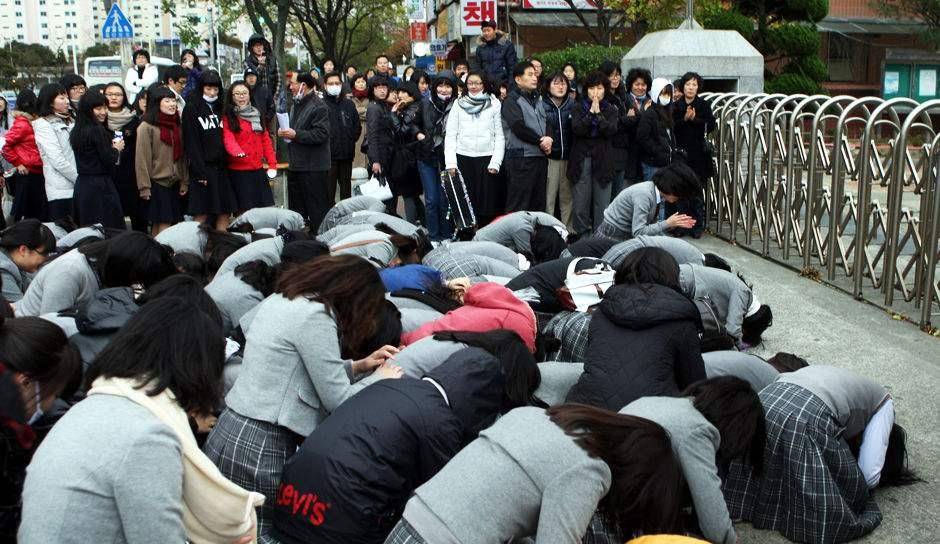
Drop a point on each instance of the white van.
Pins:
(104, 70)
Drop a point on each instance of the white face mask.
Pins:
(443, 97)
(210, 99)
(475, 95)
(333, 90)
(665, 100)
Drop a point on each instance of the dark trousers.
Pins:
(60, 208)
(341, 173)
(308, 195)
(525, 189)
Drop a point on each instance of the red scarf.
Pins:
(170, 133)
(360, 94)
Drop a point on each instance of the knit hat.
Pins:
(411, 88)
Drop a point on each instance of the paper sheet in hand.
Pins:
(283, 122)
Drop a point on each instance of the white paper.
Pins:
(928, 83)
(892, 82)
(283, 122)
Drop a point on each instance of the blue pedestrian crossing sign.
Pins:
(116, 25)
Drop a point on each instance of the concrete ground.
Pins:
(827, 326)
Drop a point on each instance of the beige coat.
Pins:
(155, 164)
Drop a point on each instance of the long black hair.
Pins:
(152, 116)
(169, 344)
(228, 110)
(27, 102)
(39, 349)
(129, 258)
(263, 277)
(125, 103)
(649, 265)
(196, 64)
(896, 471)
(47, 95)
(30, 233)
(87, 128)
(520, 370)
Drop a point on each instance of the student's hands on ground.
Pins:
(680, 220)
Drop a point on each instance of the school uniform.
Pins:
(347, 207)
(234, 297)
(269, 218)
(372, 245)
(732, 297)
(509, 484)
(515, 230)
(249, 181)
(14, 281)
(812, 488)
(159, 176)
(267, 250)
(635, 211)
(96, 199)
(205, 153)
(682, 251)
(457, 264)
(64, 283)
(292, 377)
(750, 368)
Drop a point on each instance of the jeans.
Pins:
(648, 171)
(617, 184)
(435, 202)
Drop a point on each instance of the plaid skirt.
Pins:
(812, 489)
(252, 454)
(610, 231)
(456, 265)
(571, 328)
(602, 531)
(404, 533)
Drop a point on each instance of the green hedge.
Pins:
(791, 83)
(812, 10)
(731, 19)
(794, 39)
(584, 57)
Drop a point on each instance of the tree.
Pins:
(187, 28)
(343, 30)
(23, 65)
(612, 17)
(100, 50)
(784, 31)
(926, 11)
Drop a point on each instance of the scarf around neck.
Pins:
(252, 115)
(170, 133)
(117, 120)
(474, 106)
(65, 117)
(595, 119)
(364, 93)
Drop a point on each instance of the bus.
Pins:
(104, 70)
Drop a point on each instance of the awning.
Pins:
(553, 19)
(868, 26)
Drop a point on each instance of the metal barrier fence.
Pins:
(841, 188)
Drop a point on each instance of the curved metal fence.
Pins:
(843, 189)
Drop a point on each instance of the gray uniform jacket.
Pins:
(267, 250)
(557, 379)
(695, 444)
(425, 355)
(61, 284)
(15, 281)
(750, 368)
(379, 251)
(515, 230)
(69, 240)
(682, 251)
(234, 298)
(732, 297)
(853, 398)
(634, 211)
(522, 477)
(109, 471)
(369, 217)
(184, 237)
(346, 207)
(292, 373)
(270, 218)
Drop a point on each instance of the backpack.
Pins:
(584, 288)
(714, 336)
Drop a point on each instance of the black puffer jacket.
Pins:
(656, 137)
(559, 119)
(267, 73)
(344, 127)
(434, 112)
(643, 341)
(593, 135)
(496, 57)
(355, 472)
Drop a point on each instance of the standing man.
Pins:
(175, 79)
(344, 133)
(261, 97)
(309, 151)
(495, 54)
(260, 59)
(383, 67)
(528, 142)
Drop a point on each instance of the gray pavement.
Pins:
(827, 326)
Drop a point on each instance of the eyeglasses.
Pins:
(474, 83)
(241, 93)
(114, 95)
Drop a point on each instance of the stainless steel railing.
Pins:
(840, 188)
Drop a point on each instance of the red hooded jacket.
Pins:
(20, 148)
(255, 146)
(486, 306)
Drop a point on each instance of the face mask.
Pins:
(443, 97)
(210, 99)
(475, 95)
(333, 90)
(38, 413)
(665, 100)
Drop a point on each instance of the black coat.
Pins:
(267, 74)
(202, 137)
(379, 136)
(546, 278)
(125, 175)
(310, 149)
(558, 118)
(690, 135)
(656, 140)
(626, 148)
(496, 57)
(353, 475)
(94, 155)
(643, 341)
(344, 127)
(592, 246)
(406, 125)
(262, 99)
(433, 119)
(593, 136)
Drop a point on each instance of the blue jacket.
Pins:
(412, 276)
(559, 119)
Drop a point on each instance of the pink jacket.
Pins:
(486, 306)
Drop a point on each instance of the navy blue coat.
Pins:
(496, 57)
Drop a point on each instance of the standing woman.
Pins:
(303, 352)
(162, 176)
(474, 144)
(637, 101)
(210, 192)
(571, 74)
(655, 132)
(558, 107)
(360, 97)
(406, 125)
(29, 191)
(97, 153)
(247, 142)
(694, 121)
(190, 60)
(622, 141)
(52, 130)
(123, 123)
(594, 123)
(380, 139)
(141, 75)
(434, 113)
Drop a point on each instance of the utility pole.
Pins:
(212, 37)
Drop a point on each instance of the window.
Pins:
(44, 25)
(843, 58)
(19, 25)
(45, 36)
(42, 13)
